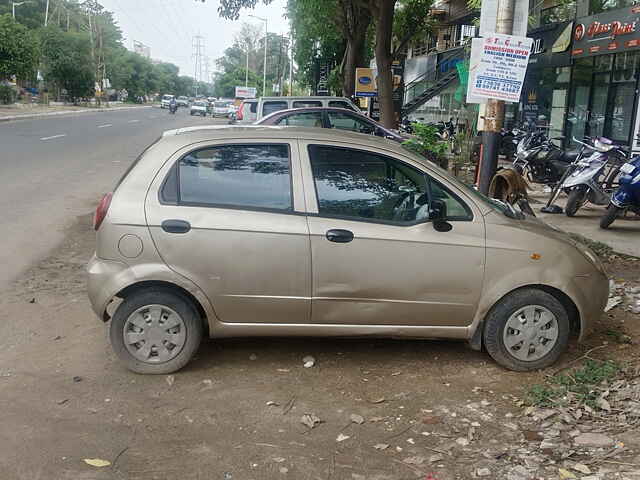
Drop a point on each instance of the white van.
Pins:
(268, 105)
(166, 100)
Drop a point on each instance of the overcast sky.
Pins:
(168, 26)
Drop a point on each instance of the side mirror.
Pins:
(438, 215)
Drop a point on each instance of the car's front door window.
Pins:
(346, 121)
(365, 186)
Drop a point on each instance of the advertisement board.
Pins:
(246, 92)
(501, 69)
(365, 83)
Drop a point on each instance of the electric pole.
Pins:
(494, 110)
(46, 14)
(264, 66)
(198, 53)
(291, 67)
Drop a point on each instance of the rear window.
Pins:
(250, 176)
(270, 107)
(220, 104)
(200, 104)
(340, 104)
(307, 103)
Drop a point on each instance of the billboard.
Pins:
(365, 83)
(246, 92)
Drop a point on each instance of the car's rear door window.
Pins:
(247, 176)
(306, 103)
(275, 106)
(366, 186)
(347, 121)
(340, 104)
(306, 119)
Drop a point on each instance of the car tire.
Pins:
(519, 308)
(610, 216)
(130, 320)
(577, 198)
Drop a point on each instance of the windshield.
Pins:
(200, 104)
(167, 97)
(221, 104)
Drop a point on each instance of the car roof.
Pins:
(188, 135)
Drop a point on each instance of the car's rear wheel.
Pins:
(155, 331)
(527, 330)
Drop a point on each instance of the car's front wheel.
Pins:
(527, 330)
(155, 331)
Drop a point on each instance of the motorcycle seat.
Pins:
(569, 157)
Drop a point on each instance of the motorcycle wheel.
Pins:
(610, 216)
(577, 198)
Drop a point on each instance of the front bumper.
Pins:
(591, 293)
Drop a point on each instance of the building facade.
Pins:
(583, 76)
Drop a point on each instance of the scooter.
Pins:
(173, 109)
(591, 178)
(627, 195)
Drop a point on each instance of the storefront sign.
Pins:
(246, 92)
(607, 32)
(323, 70)
(502, 68)
(365, 83)
(551, 45)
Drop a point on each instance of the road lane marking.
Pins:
(133, 121)
(106, 125)
(52, 137)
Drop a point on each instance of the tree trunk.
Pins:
(355, 54)
(384, 32)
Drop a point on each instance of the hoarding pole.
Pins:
(494, 110)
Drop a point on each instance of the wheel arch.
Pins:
(168, 286)
(567, 302)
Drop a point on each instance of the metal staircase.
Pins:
(432, 82)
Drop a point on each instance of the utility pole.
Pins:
(198, 52)
(494, 110)
(246, 71)
(291, 67)
(46, 14)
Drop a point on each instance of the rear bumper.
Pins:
(100, 283)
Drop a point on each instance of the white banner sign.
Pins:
(246, 92)
(502, 68)
(489, 16)
(474, 62)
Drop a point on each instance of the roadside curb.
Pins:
(67, 112)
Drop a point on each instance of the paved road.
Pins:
(54, 169)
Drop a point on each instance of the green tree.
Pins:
(67, 62)
(226, 82)
(18, 49)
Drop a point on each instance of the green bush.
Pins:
(7, 95)
(427, 142)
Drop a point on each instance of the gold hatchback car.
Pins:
(272, 231)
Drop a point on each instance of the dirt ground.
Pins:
(235, 412)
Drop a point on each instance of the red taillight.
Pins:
(239, 114)
(101, 211)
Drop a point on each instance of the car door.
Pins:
(228, 216)
(376, 257)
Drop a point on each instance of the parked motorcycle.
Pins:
(447, 133)
(592, 176)
(539, 160)
(627, 195)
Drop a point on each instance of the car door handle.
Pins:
(176, 226)
(339, 236)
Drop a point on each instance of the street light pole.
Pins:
(264, 67)
(46, 14)
(291, 67)
(246, 71)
